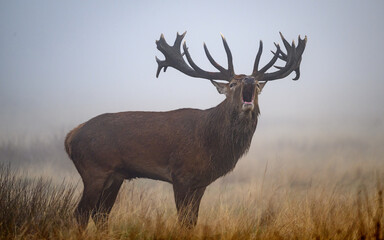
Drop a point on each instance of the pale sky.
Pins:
(62, 63)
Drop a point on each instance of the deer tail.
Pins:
(68, 140)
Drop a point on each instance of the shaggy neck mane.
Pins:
(228, 134)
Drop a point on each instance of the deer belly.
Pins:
(147, 164)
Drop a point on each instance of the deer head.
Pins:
(241, 90)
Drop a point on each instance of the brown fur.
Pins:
(188, 148)
(68, 139)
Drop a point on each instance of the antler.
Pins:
(174, 58)
(292, 60)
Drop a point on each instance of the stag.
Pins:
(189, 148)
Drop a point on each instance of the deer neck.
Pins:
(228, 134)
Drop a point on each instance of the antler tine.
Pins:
(174, 58)
(212, 61)
(231, 70)
(273, 60)
(300, 48)
(301, 43)
(285, 42)
(276, 55)
(161, 64)
(191, 62)
(292, 60)
(178, 39)
(257, 60)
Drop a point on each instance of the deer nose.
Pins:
(249, 80)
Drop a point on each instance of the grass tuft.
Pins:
(34, 208)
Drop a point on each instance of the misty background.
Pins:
(62, 63)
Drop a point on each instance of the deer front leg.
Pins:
(187, 204)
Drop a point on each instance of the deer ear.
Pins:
(221, 87)
(262, 84)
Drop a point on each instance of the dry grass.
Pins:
(33, 208)
(37, 209)
(323, 188)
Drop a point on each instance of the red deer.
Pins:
(189, 148)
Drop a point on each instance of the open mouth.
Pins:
(248, 94)
(248, 97)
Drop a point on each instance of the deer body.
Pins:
(188, 148)
(164, 145)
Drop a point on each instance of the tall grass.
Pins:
(35, 208)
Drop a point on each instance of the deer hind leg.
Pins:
(93, 187)
(187, 204)
(106, 200)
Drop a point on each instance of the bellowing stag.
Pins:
(189, 148)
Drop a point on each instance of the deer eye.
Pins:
(232, 85)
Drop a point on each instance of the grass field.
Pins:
(289, 189)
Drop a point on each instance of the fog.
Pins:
(62, 63)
